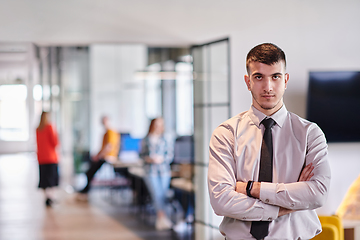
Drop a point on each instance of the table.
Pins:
(141, 193)
(127, 164)
(182, 184)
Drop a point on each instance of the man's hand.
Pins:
(102, 153)
(306, 173)
(241, 187)
(284, 211)
(95, 158)
(255, 191)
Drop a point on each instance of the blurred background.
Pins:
(183, 60)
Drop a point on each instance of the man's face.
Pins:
(267, 84)
(104, 121)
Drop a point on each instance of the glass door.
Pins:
(211, 107)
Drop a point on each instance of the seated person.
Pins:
(108, 153)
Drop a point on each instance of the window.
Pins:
(13, 113)
(184, 99)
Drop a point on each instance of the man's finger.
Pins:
(310, 176)
(304, 176)
(307, 169)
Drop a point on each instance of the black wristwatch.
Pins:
(249, 187)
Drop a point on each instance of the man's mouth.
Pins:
(267, 96)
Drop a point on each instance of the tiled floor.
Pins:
(23, 214)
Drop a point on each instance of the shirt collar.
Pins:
(279, 117)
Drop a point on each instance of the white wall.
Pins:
(315, 36)
(345, 168)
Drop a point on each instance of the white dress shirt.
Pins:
(235, 156)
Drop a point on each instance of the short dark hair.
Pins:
(267, 53)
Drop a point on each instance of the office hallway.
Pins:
(23, 214)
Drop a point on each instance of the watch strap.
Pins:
(249, 187)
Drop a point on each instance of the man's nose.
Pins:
(268, 86)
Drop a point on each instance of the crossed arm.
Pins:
(270, 200)
(305, 175)
(228, 196)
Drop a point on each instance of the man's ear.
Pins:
(287, 77)
(247, 81)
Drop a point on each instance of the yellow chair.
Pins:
(332, 228)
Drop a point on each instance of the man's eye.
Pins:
(276, 77)
(258, 77)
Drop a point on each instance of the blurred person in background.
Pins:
(47, 140)
(108, 153)
(157, 153)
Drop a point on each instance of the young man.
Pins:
(267, 177)
(108, 153)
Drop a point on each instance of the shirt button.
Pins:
(292, 205)
(266, 200)
(244, 218)
(270, 219)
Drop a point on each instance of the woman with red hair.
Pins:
(157, 153)
(46, 139)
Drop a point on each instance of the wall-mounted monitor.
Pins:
(333, 103)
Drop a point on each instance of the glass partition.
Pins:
(211, 107)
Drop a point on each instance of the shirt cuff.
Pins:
(270, 213)
(267, 193)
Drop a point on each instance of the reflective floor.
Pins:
(107, 216)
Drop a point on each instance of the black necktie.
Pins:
(260, 229)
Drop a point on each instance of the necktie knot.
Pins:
(268, 123)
